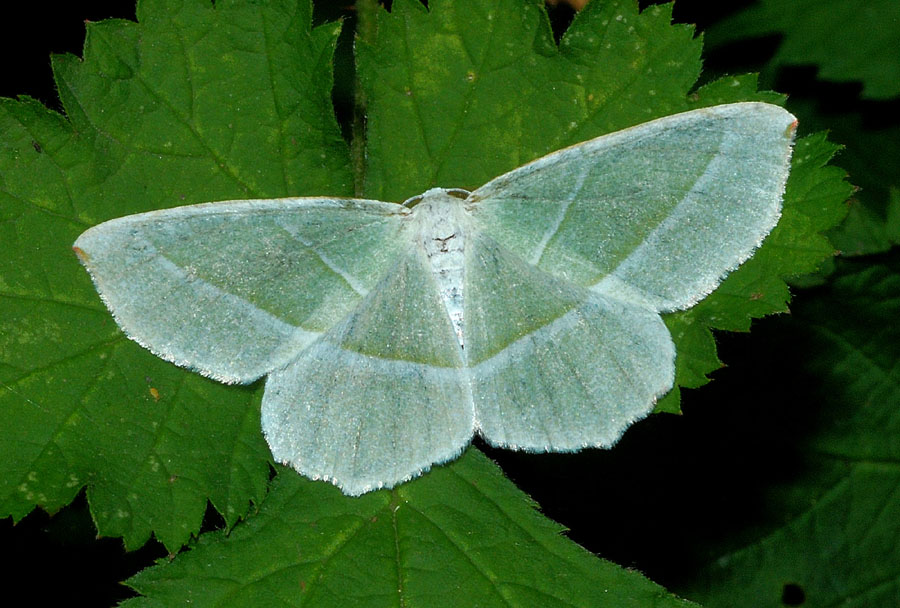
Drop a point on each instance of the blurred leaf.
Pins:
(866, 231)
(848, 40)
(837, 544)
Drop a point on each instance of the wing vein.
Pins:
(560, 218)
(667, 220)
(173, 269)
(348, 278)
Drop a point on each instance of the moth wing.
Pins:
(555, 366)
(656, 214)
(381, 396)
(238, 288)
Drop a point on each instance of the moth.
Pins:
(526, 311)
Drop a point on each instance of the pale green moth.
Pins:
(527, 311)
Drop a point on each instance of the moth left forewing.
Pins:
(237, 288)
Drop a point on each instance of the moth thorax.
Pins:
(442, 235)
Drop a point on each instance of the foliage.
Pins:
(855, 40)
(835, 543)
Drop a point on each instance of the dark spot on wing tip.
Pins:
(459, 193)
(82, 255)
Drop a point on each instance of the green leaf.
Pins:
(866, 231)
(461, 93)
(192, 104)
(460, 535)
(849, 40)
(836, 543)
